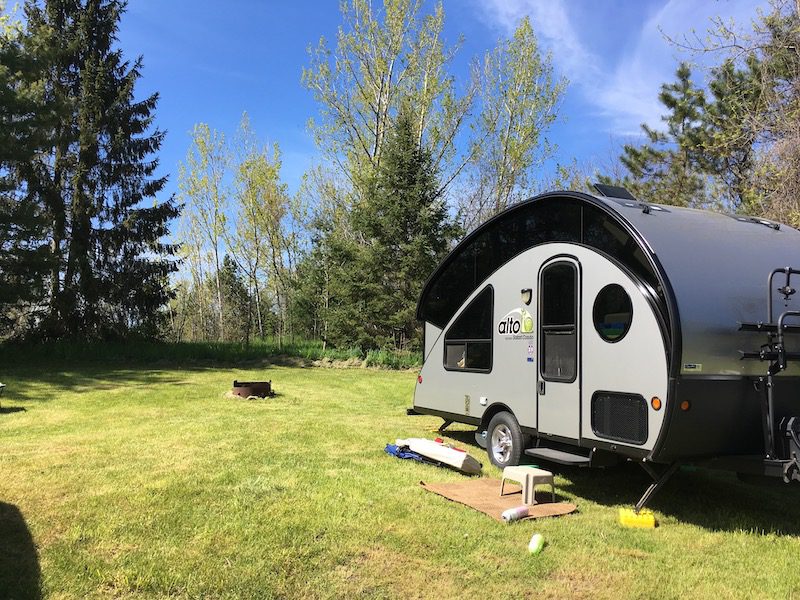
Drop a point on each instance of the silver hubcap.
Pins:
(502, 444)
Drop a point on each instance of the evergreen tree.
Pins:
(23, 255)
(757, 133)
(406, 231)
(667, 169)
(236, 303)
(729, 134)
(94, 177)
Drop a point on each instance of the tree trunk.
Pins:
(258, 309)
(221, 336)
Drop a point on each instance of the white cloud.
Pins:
(553, 27)
(623, 90)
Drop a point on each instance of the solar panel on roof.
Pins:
(613, 191)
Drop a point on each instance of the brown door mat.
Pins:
(483, 494)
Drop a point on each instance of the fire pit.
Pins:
(247, 389)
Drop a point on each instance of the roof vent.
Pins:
(758, 221)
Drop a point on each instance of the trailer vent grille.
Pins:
(620, 417)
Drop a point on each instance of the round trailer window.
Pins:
(612, 313)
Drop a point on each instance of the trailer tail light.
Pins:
(655, 402)
(419, 379)
(685, 405)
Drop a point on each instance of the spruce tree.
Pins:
(406, 231)
(236, 303)
(23, 255)
(95, 176)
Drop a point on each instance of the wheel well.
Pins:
(492, 411)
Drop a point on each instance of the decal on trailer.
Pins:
(517, 324)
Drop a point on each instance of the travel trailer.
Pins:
(583, 329)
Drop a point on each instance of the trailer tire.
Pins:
(505, 440)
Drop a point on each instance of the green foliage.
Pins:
(519, 101)
(372, 274)
(729, 142)
(667, 168)
(386, 56)
(390, 122)
(737, 149)
(24, 256)
(235, 205)
(237, 303)
(205, 199)
(81, 181)
(140, 351)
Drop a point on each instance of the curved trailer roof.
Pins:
(707, 271)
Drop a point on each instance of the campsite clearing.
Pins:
(146, 482)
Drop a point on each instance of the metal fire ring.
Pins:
(259, 389)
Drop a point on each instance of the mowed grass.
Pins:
(145, 482)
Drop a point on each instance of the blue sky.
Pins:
(212, 61)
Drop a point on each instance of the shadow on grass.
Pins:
(37, 384)
(6, 410)
(713, 500)
(20, 575)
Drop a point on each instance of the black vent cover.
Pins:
(620, 417)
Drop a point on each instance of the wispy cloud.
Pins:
(553, 27)
(622, 89)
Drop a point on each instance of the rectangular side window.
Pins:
(468, 341)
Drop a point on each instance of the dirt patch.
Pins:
(350, 363)
(583, 584)
(379, 571)
(284, 360)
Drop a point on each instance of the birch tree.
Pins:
(264, 241)
(203, 192)
(383, 59)
(519, 100)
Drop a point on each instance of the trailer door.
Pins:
(558, 389)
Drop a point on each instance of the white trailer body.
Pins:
(574, 327)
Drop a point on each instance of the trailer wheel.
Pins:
(505, 440)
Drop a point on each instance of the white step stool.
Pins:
(528, 478)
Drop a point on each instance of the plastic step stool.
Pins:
(528, 478)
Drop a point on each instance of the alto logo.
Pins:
(518, 321)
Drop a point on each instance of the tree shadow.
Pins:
(37, 384)
(713, 500)
(5, 410)
(20, 575)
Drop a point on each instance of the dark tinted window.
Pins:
(558, 295)
(558, 357)
(604, 233)
(519, 228)
(475, 321)
(502, 238)
(612, 313)
(468, 342)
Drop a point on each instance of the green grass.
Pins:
(128, 480)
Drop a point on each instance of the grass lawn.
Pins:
(136, 481)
